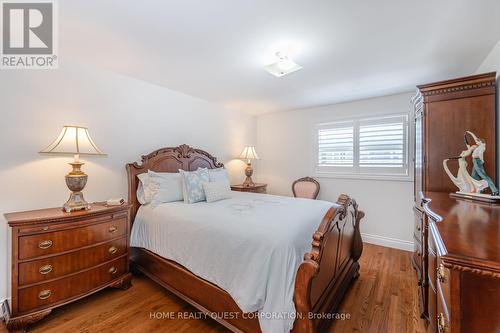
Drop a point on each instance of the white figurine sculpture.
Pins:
(479, 181)
(478, 171)
(463, 180)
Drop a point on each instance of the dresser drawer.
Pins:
(417, 257)
(421, 300)
(36, 229)
(259, 190)
(64, 240)
(50, 293)
(418, 222)
(432, 268)
(442, 317)
(432, 260)
(443, 283)
(56, 266)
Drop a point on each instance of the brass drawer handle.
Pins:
(44, 294)
(440, 273)
(112, 229)
(45, 244)
(441, 323)
(113, 270)
(112, 250)
(45, 269)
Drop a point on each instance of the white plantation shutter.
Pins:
(336, 145)
(371, 146)
(382, 144)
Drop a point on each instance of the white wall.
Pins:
(285, 145)
(492, 64)
(126, 117)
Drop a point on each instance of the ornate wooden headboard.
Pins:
(169, 159)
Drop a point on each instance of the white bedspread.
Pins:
(250, 245)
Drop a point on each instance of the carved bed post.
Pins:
(357, 242)
(306, 272)
(336, 249)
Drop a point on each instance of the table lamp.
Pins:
(74, 140)
(249, 154)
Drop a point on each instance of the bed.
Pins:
(239, 258)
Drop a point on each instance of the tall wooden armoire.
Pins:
(443, 112)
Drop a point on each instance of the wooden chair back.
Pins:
(305, 187)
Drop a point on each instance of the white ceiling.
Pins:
(216, 49)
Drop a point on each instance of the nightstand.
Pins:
(258, 188)
(60, 257)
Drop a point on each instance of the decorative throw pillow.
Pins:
(219, 175)
(143, 191)
(192, 184)
(165, 187)
(215, 191)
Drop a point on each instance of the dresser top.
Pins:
(57, 214)
(469, 230)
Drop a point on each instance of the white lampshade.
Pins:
(249, 153)
(73, 140)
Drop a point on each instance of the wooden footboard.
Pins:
(328, 270)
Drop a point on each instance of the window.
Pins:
(336, 145)
(373, 147)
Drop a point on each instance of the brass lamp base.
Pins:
(248, 172)
(76, 181)
(75, 202)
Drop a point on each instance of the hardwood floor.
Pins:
(383, 299)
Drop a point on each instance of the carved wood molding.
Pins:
(20, 323)
(480, 81)
(417, 102)
(182, 152)
(471, 269)
(459, 88)
(333, 219)
(124, 283)
(357, 243)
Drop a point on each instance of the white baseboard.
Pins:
(387, 242)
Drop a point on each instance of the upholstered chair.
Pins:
(306, 187)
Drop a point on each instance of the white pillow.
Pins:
(219, 175)
(143, 191)
(192, 184)
(165, 186)
(215, 191)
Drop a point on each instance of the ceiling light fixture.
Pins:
(283, 66)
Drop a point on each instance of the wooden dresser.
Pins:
(464, 264)
(443, 112)
(60, 257)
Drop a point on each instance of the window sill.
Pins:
(395, 178)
